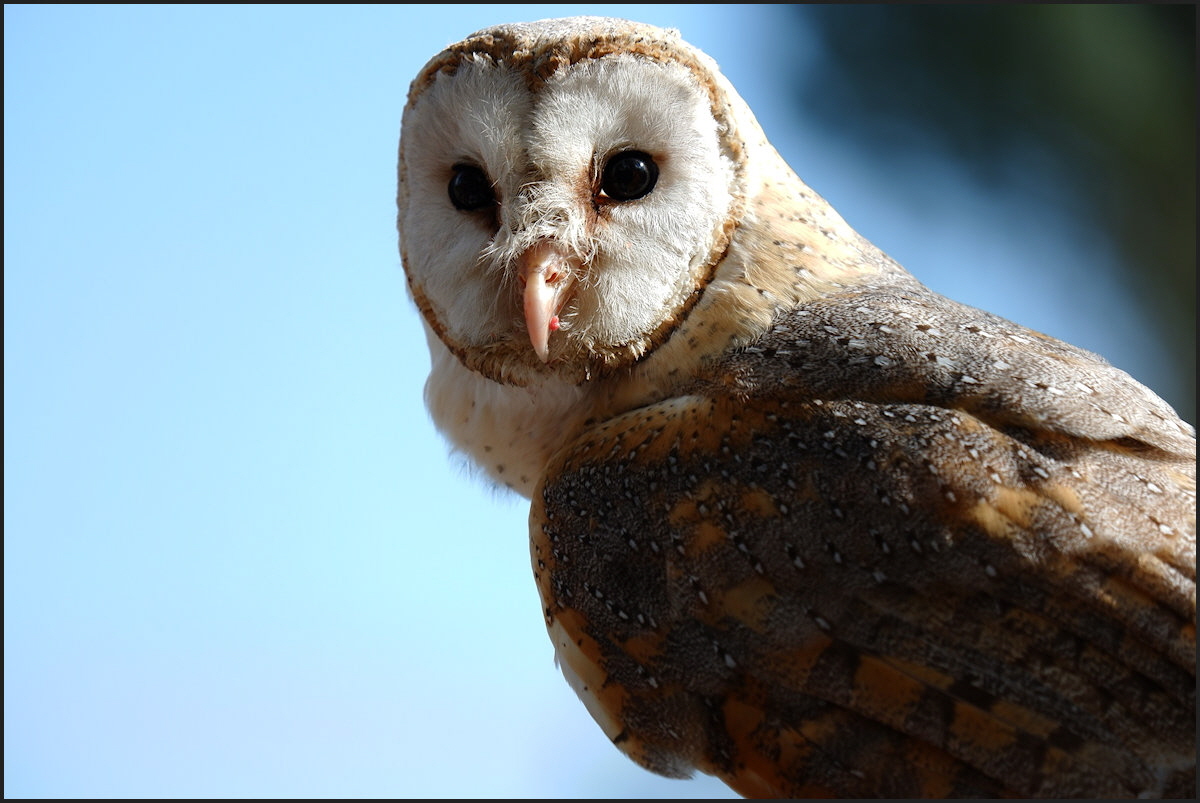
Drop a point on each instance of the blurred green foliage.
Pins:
(1104, 95)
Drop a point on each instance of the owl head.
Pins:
(567, 189)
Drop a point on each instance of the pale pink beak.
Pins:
(547, 273)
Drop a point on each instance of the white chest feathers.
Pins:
(510, 432)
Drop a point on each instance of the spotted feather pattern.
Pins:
(856, 559)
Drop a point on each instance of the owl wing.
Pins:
(895, 547)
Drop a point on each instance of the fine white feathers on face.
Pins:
(543, 147)
(473, 117)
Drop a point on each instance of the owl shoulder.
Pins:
(890, 435)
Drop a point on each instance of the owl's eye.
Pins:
(470, 189)
(629, 175)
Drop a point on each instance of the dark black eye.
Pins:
(470, 189)
(628, 176)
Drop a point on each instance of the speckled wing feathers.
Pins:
(889, 573)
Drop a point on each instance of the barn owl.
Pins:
(797, 521)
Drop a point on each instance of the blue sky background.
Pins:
(238, 559)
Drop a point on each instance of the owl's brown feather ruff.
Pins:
(823, 532)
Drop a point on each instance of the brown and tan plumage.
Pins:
(797, 521)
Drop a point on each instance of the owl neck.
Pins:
(507, 431)
(789, 248)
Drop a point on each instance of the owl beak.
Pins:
(547, 274)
